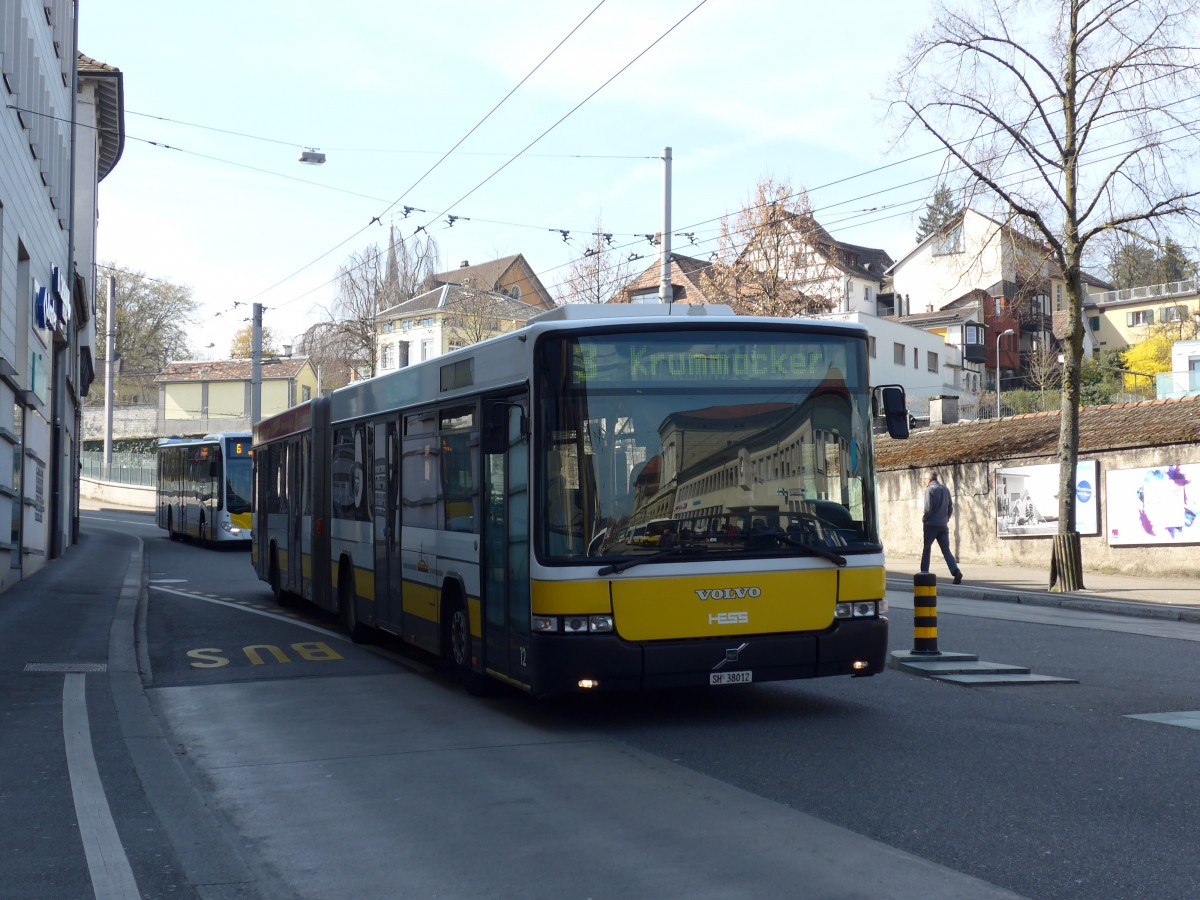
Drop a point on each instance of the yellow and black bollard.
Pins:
(925, 637)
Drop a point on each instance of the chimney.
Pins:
(943, 410)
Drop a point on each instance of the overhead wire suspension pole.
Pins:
(665, 293)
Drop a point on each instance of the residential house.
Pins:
(47, 289)
(976, 256)
(202, 397)
(1184, 378)
(442, 319)
(510, 275)
(1122, 318)
(919, 358)
(687, 283)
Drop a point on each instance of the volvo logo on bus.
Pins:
(737, 593)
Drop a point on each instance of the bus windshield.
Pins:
(239, 475)
(740, 441)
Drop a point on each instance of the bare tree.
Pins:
(599, 275)
(473, 314)
(1043, 369)
(1074, 116)
(362, 293)
(773, 257)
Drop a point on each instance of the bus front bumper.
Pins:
(565, 662)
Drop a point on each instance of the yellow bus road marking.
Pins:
(264, 611)
(261, 654)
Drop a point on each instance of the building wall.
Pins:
(930, 281)
(1115, 331)
(38, 61)
(182, 402)
(973, 527)
(227, 399)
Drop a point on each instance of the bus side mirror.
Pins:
(495, 424)
(889, 401)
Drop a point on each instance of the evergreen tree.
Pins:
(939, 212)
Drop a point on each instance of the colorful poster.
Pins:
(1027, 500)
(1154, 505)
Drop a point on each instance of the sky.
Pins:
(221, 98)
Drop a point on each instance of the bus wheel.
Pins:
(458, 653)
(202, 530)
(282, 597)
(171, 532)
(347, 607)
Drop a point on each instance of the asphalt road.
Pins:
(317, 768)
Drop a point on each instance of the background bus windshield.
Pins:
(734, 442)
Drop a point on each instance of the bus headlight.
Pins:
(582, 624)
(860, 609)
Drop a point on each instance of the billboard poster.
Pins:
(1154, 505)
(1027, 500)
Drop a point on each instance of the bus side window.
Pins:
(419, 475)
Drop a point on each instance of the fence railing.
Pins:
(1148, 292)
(125, 468)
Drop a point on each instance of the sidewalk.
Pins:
(1135, 595)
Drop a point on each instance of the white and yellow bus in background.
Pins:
(204, 488)
(494, 505)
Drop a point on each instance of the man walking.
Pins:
(938, 507)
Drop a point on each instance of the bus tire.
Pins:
(172, 534)
(347, 605)
(457, 651)
(283, 598)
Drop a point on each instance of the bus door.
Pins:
(293, 520)
(505, 581)
(388, 572)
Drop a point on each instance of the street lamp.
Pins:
(1000, 335)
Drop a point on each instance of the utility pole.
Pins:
(256, 365)
(110, 350)
(665, 294)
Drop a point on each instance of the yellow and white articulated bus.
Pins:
(204, 486)
(494, 506)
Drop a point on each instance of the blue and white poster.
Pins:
(1027, 500)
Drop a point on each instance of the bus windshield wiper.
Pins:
(688, 550)
(816, 549)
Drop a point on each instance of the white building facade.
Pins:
(47, 289)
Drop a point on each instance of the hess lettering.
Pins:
(729, 618)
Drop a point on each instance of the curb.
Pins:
(1098, 603)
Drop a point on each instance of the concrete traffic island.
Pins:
(958, 668)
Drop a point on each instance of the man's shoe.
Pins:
(958, 577)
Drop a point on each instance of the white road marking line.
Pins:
(280, 617)
(108, 865)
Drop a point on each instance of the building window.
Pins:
(515, 292)
(386, 360)
(427, 322)
(1140, 317)
(950, 242)
(645, 297)
(406, 325)
(916, 358)
(931, 360)
(866, 293)
(427, 348)
(871, 346)
(1058, 298)
(305, 393)
(1094, 321)
(1173, 313)
(898, 354)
